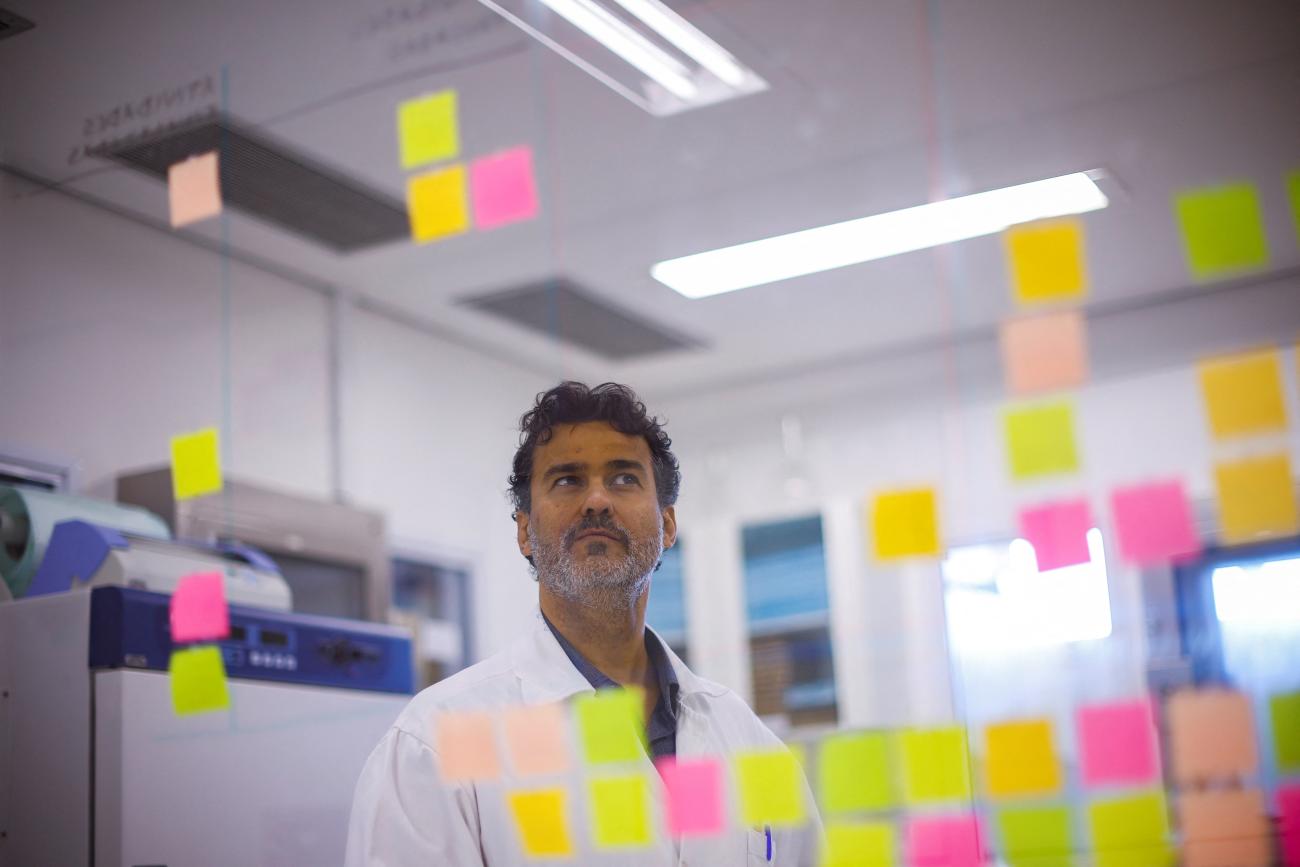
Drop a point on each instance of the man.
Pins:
(594, 484)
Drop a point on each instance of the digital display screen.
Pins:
(274, 639)
(238, 633)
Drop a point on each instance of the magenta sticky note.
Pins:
(1059, 532)
(1288, 811)
(503, 188)
(945, 841)
(1117, 743)
(198, 608)
(693, 795)
(1154, 523)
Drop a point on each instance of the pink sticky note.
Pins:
(1059, 532)
(945, 841)
(1288, 810)
(198, 608)
(194, 189)
(502, 188)
(1117, 743)
(1154, 523)
(693, 790)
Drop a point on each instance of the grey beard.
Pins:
(602, 584)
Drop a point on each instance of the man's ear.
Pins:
(521, 534)
(670, 526)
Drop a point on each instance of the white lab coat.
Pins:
(404, 814)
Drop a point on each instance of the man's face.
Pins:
(595, 530)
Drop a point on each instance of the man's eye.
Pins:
(629, 477)
(563, 480)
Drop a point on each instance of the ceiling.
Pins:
(873, 106)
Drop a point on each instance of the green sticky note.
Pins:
(1223, 230)
(771, 790)
(1131, 832)
(620, 811)
(428, 129)
(196, 463)
(1284, 711)
(1040, 440)
(854, 773)
(860, 844)
(1293, 193)
(610, 726)
(1036, 837)
(198, 680)
(936, 765)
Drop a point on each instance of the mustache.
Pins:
(603, 523)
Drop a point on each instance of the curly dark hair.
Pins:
(573, 403)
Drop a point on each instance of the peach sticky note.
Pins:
(194, 189)
(936, 765)
(503, 188)
(1040, 440)
(945, 841)
(770, 784)
(1059, 532)
(1131, 832)
(1288, 811)
(1284, 718)
(198, 680)
(1117, 743)
(198, 608)
(542, 819)
(1211, 734)
(860, 844)
(1224, 828)
(466, 745)
(854, 773)
(1243, 394)
(1223, 230)
(693, 790)
(1153, 521)
(1256, 498)
(1045, 352)
(1020, 759)
(1046, 260)
(609, 725)
(437, 205)
(196, 464)
(905, 523)
(428, 129)
(537, 739)
(1036, 836)
(620, 816)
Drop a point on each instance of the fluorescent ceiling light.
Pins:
(875, 237)
(693, 43)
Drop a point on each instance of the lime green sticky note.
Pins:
(936, 765)
(198, 680)
(854, 773)
(620, 815)
(428, 129)
(1036, 836)
(1223, 230)
(437, 204)
(610, 725)
(1293, 193)
(859, 844)
(1284, 712)
(771, 787)
(1040, 440)
(196, 463)
(1131, 832)
(543, 827)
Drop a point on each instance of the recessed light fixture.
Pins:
(861, 240)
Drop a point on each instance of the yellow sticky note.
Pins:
(437, 204)
(936, 765)
(771, 787)
(196, 463)
(198, 680)
(1256, 499)
(1040, 440)
(194, 189)
(1131, 832)
(1223, 230)
(854, 773)
(620, 814)
(428, 129)
(610, 725)
(540, 816)
(1046, 260)
(860, 844)
(1020, 759)
(905, 523)
(1243, 394)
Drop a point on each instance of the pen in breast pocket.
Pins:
(767, 829)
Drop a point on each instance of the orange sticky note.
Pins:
(542, 819)
(428, 129)
(1045, 353)
(1046, 260)
(1040, 440)
(466, 746)
(905, 523)
(537, 739)
(1021, 759)
(198, 680)
(196, 464)
(1212, 735)
(1256, 499)
(1243, 394)
(437, 204)
(1225, 828)
(194, 189)
(771, 787)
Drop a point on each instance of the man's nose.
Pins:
(597, 500)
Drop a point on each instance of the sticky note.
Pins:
(1059, 532)
(1153, 521)
(436, 204)
(1046, 260)
(1045, 352)
(1243, 394)
(945, 841)
(770, 786)
(620, 814)
(1211, 735)
(860, 844)
(905, 523)
(1288, 811)
(196, 464)
(1130, 832)
(542, 820)
(854, 773)
(693, 794)
(198, 680)
(610, 726)
(936, 765)
(1284, 717)
(428, 129)
(1225, 828)
(1040, 440)
(537, 739)
(1020, 759)
(1293, 193)
(194, 189)
(198, 610)
(1223, 230)
(466, 746)
(1117, 743)
(1256, 499)
(1036, 836)
(503, 188)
